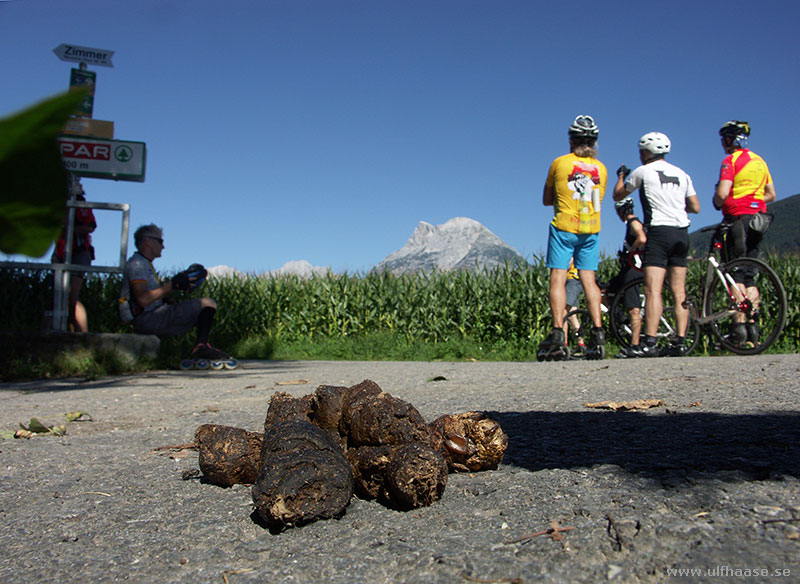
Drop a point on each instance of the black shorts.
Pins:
(631, 299)
(741, 241)
(666, 246)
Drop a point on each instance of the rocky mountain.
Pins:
(460, 243)
(222, 272)
(302, 268)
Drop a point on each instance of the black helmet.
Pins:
(584, 128)
(734, 128)
(625, 206)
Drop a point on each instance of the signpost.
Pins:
(84, 80)
(78, 54)
(100, 158)
(92, 157)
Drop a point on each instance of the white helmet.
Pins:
(655, 143)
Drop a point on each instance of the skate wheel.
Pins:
(187, 364)
(230, 364)
(202, 364)
(215, 365)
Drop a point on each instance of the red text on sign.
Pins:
(71, 149)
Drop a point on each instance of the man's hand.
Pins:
(180, 281)
(623, 171)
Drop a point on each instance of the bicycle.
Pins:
(746, 318)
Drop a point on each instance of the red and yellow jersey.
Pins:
(749, 174)
(579, 185)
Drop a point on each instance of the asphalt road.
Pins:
(704, 487)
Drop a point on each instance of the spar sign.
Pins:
(100, 158)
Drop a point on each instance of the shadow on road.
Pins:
(759, 445)
(245, 370)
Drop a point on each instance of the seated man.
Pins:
(635, 239)
(151, 310)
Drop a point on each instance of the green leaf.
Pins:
(33, 182)
(76, 416)
(37, 427)
(6, 434)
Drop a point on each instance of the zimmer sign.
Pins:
(78, 54)
(99, 158)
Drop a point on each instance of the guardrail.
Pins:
(61, 272)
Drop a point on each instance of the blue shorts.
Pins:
(563, 246)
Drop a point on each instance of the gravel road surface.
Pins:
(704, 488)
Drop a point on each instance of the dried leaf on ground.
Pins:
(78, 417)
(553, 532)
(639, 404)
(36, 427)
(293, 382)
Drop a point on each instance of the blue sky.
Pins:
(326, 130)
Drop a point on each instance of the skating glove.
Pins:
(190, 278)
(180, 281)
(197, 275)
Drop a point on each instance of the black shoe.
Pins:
(737, 334)
(753, 332)
(676, 350)
(650, 351)
(632, 352)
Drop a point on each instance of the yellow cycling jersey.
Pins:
(579, 184)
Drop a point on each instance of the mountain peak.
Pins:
(459, 243)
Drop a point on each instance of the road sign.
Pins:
(78, 54)
(85, 81)
(99, 158)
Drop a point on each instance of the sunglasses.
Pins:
(158, 239)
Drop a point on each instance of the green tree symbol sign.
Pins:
(123, 153)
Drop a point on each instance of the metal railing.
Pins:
(61, 272)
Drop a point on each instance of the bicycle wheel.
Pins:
(667, 326)
(750, 325)
(584, 318)
(586, 323)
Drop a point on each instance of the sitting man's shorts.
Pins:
(666, 246)
(563, 246)
(169, 319)
(631, 298)
(573, 288)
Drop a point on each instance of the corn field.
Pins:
(506, 306)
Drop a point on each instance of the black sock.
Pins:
(204, 320)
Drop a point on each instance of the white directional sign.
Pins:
(84, 55)
(100, 158)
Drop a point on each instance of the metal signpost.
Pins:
(89, 156)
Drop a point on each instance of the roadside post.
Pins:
(88, 149)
